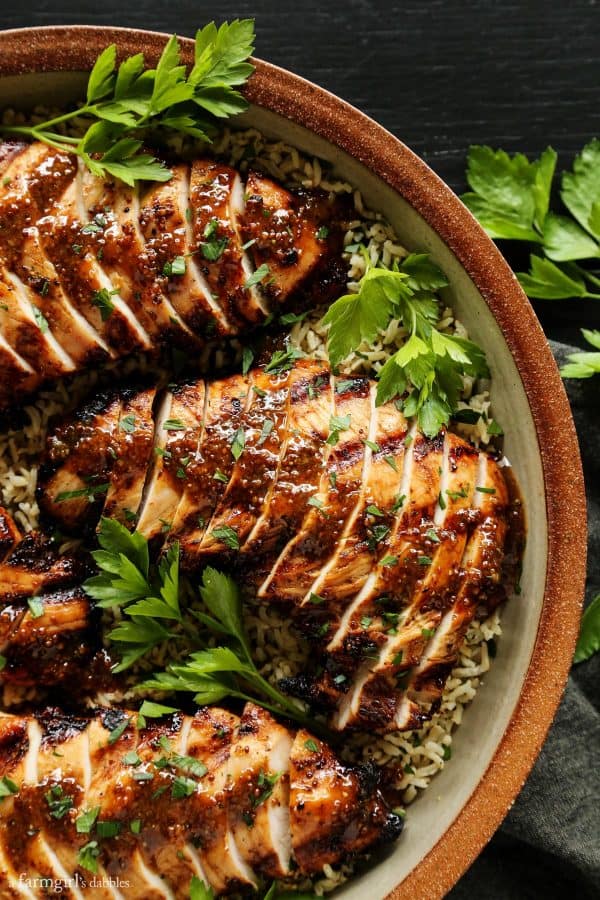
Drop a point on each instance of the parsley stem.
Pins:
(589, 277)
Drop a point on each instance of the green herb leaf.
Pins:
(581, 188)
(87, 857)
(199, 890)
(510, 195)
(36, 607)
(227, 535)
(84, 823)
(357, 318)
(585, 363)
(548, 281)
(588, 642)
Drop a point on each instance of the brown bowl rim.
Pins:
(74, 48)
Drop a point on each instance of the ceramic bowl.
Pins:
(503, 730)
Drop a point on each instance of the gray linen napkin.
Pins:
(549, 844)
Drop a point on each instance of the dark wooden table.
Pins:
(440, 75)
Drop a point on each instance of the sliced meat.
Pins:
(74, 480)
(128, 264)
(47, 641)
(34, 566)
(154, 806)
(178, 429)
(165, 220)
(32, 183)
(73, 242)
(335, 811)
(259, 803)
(282, 235)
(328, 510)
(132, 447)
(217, 201)
(300, 466)
(256, 448)
(26, 330)
(208, 473)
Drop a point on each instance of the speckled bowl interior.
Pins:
(504, 727)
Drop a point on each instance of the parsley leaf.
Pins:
(124, 103)
(588, 642)
(585, 363)
(510, 195)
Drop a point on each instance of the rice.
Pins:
(412, 758)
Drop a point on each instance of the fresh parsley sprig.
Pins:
(431, 364)
(147, 595)
(214, 673)
(510, 196)
(125, 103)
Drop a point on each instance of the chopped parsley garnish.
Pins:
(107, 828)
(336, 425)
(391, 462)
(87, 857)
(428, 632)
(311, 745)
(227, 536)
(238, 443)
(389, 561)
(283, 360)
(127, 424)
(58, 802)
(117, 732)
(7, 787)
(102, 299)
(259, 275)
(485, 490)
(424, 560)
(90, 492)
(322, 233)
(247, 360)
(315, 599)
(175, 266)
(267, 428)
(41, 320)
(84, 823)
(373, 510)
(173, 425)
(36, 607)
(220, 476)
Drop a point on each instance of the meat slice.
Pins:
(34, 566)
(178, 429)
(166, 224)
(282, 235)
(259, 804)
(155, 805)
(32, 183)
(73, 481)
(208, 473)
(74, 242)
(426, 555)
(480, 587)
(25, 329)
(127, 263)
(359, 548)
(256, 447)
(133, 445)
(217, 202)
(47, 641)
(335, 812)
(301, 561)
(300, 466)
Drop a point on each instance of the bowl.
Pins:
(506, 725)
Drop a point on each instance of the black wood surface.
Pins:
(440, 75)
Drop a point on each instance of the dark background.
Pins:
(440, 76)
